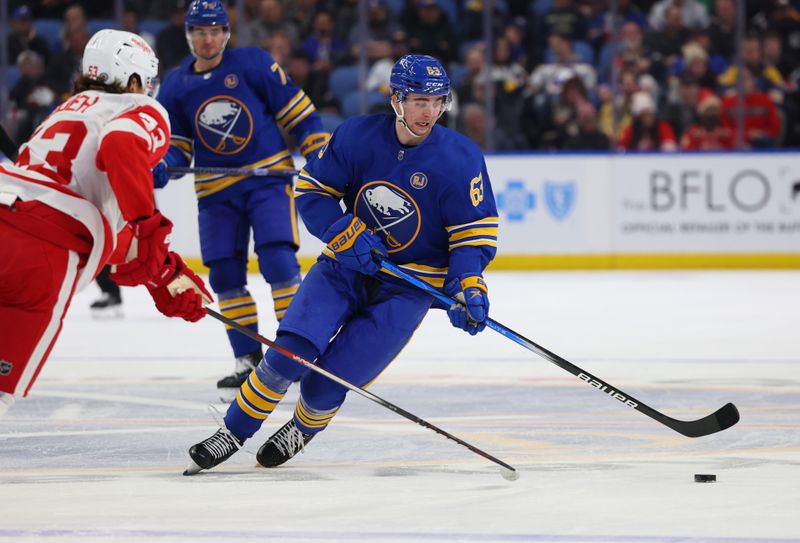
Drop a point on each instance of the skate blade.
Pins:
(192, 469)
(107, 314)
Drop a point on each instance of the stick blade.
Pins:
(722, 419)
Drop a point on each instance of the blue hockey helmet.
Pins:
(207, 13)
(420, 74)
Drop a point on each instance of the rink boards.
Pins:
(709, 210)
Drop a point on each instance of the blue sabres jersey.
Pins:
(232, 116)
(428, 202)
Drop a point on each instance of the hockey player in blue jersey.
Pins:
(228, 108)
(415, 191)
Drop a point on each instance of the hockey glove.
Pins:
(352, 244)
(161, 177)
(147, 253)
(183, 295)
(473, 303)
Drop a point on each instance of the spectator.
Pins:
(547, 79)
(31, 98)
(694, 63)
(784, 19)
(474, 72)
(619, 103)
(646, 132)
(257, 32)
(681, 111)
(722, 30)
(62, 71)
(75, 20)
(429, 31)
(693, 13)
(314, 84)
(564, 19)
(470, 25)
(562, 119)
(301, 15)
(666, 42)
(708, 134)
(589, 137)
(514, 32)
(279, 46)
(130, 23)
(629, 45)
(171, 44)
(762, 124)
(323, 48)
(23, 36)
(603, 25)
(768, 77)
(382, 31)
(773, 57)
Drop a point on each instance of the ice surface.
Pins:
(95, 453)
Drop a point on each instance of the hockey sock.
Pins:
(278, 265)
(256, 399)
(266, 386)
(283, 293)
(309, 420)
(238, 305)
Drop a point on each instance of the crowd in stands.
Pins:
(565, 74)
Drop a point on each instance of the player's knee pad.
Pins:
(285, 367)
(278, 262)
(227, 274)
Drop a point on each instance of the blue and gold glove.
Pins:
(352, 244)
(472, 309)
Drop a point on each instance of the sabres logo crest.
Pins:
(224, 125)
(390, 212)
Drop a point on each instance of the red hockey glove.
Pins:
(147, 252)
(183, 294)
(472, 308)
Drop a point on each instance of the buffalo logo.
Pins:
(559, 197)
(5, 367)
(390, 211)
(224, 125)
(433, 70)
(418, 180)
(231, 80)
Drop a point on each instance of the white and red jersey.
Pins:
(92, 159)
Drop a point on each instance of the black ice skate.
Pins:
(244, 365)
(213, 451)
(107, 306)
(283, 445)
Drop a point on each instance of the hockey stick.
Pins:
(7, 146)
(721, 419)
(258, 172)
(507, 471)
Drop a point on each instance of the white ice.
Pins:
(95, 453)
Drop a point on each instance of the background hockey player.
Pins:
(228, 109)
(79, 195)
(414, 191)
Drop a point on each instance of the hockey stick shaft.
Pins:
(723, 418)
(258, 172)
(358, 390)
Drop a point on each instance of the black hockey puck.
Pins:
(705, 478)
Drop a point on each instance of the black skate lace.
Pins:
(290, 440)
